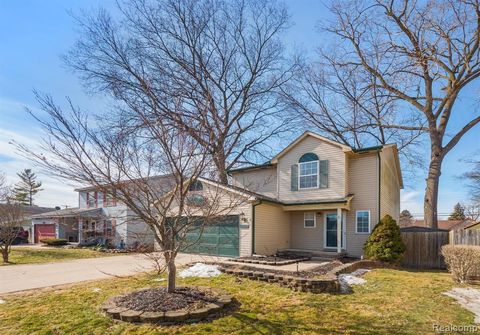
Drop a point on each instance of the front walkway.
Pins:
(15, 278)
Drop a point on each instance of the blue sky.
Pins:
(34, 34)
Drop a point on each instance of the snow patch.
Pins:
(347, 280)
(96, 289)
(201, 270)
(468, 298)
(2, 301)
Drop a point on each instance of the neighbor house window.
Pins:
(363, 222)
(309, 220)
(91, 199)
(109, 200)
(308, 171)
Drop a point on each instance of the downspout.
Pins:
(253, 225)
(379, 183)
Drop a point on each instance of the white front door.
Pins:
(330, 231)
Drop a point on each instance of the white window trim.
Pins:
(356, 222)
(314, 220)
(300, 175)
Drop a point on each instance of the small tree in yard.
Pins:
(385, 242)
(11, 215)
(148, 168)
(458, 212)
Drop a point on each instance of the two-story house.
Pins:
(315, 195)
(99, 218)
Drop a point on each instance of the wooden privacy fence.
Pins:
(423, 249)
(465, 236)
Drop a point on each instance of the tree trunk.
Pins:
(220, 164)
(5, 255)
(430, 204)
(172, 274)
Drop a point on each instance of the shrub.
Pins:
(462, 261)
(385, 242)
(54, 241)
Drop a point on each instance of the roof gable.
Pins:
(301, 138)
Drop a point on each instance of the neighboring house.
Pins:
(419, 224)
(315, 195)
(28, 212)
(100, 218)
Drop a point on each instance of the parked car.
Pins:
(20, 233)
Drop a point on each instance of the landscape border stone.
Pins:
(169, 317)
(327, 284)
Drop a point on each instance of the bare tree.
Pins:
(212, 68)
(473, 177)
(11, 217)
(344, 104)
(425, 55)
(472, 211)
(149, 169)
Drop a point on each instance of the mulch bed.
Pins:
(159, 300)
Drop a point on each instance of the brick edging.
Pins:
(326, 284)
(168, 317)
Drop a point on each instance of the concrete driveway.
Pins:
(14, 278)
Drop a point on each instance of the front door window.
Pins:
(331, 231)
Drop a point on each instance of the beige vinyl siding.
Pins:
(306, 238)
(389, 186)
(263, 181)
(272, 229)
(363, 184)
(325, 151)
(245, 243)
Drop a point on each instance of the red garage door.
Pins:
(44, 231)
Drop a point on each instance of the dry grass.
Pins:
(25, 255)
(392, 302)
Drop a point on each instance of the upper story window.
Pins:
(196, 186)
(308, 175)
(92, 199)
(110, 200)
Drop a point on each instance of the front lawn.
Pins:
(25, 255)
(392, 302)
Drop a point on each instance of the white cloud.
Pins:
(412, 200)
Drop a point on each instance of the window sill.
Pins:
(309, 227)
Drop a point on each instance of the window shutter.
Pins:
(294, 178)
(323, 167)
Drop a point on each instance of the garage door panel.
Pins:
(219, 237)
(43, 231)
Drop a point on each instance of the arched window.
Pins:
(196, 186)
(308, 157)
(308, 171)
